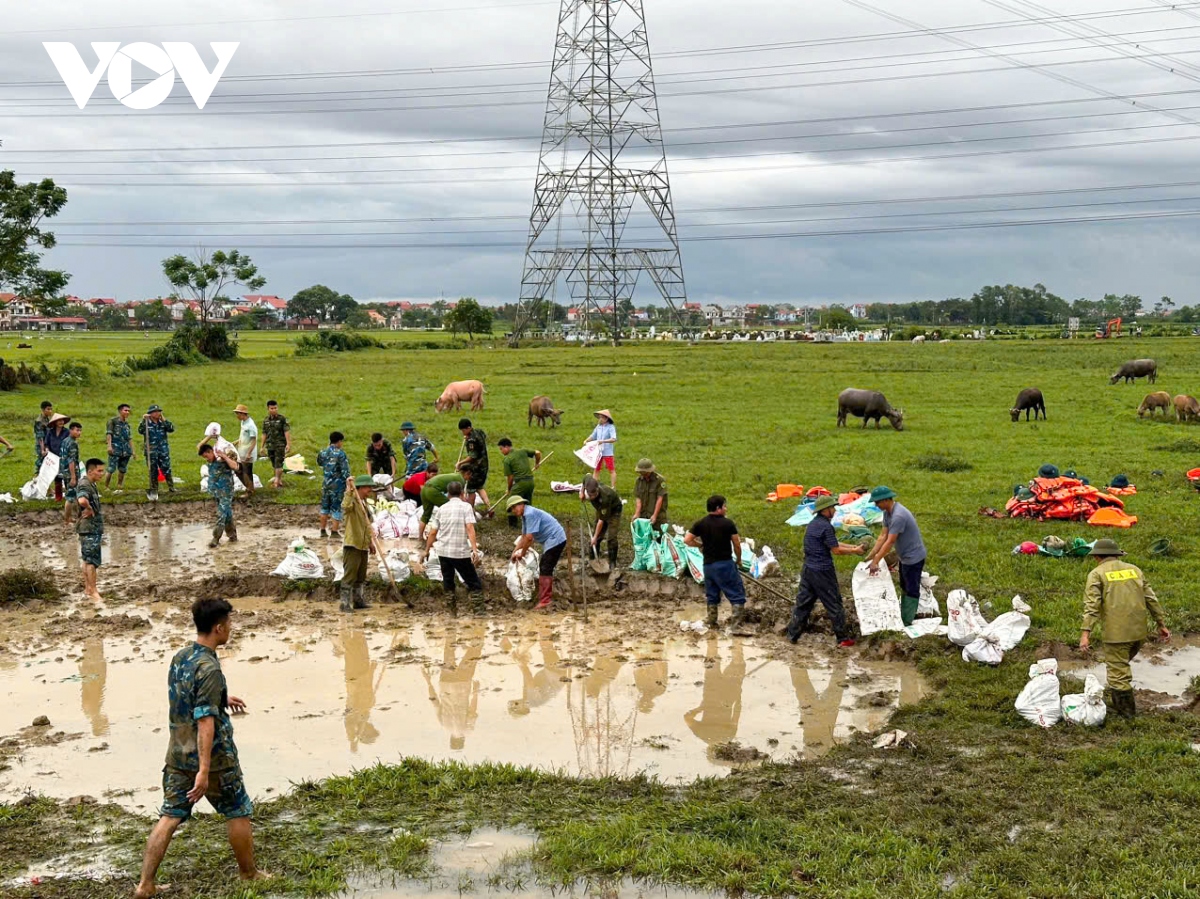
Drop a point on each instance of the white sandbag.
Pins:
(590, 453)
(565, 487)
(1019, 605)
(996, 639)
(301, 563)
(765, 564)
(521, 578)
(1039, 702)
(382, 480)
(337, 564)
(925, 627)
(390, 526)
(39, 487)
(221, 445)
(6, 498)
(397, 561)
(964, 620)
(875, 600)
(985, 648)
(927, 603)
(1086, 708)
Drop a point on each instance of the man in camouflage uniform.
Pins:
(336, 469)
(90, 526)
(120, 446)
(1119, 599)
(221, 467)
(41, 425)
(607, 504)
(414, 446)
(475, 466)
(202, 760)
(277, 439)
(68, 467)
(154, 428)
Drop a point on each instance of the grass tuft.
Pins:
(943, 462)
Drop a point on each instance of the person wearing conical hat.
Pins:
(1118, 598)
(605, 434)
(247, 447)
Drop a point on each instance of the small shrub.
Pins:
(26, 584)
(334, 342)
(72, 374)
(1190, 445)
(190, 345)
(944, 462)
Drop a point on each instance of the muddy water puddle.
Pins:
(1169, 669)
(327, 697)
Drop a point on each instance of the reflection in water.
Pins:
(537, 689)
(603, 731)
(715, 720)
(819, 711)
(457, 693)
(93, 672)
(360, 686)
(649, 676)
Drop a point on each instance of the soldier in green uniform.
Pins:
(90, 526)
(120, 446)
(436, 492)
(68, 467)
(519, 465)
(41, 426)
(475, 466)
(155, 429)
(607, 503)
(650, 494)
(276, 439)
(202, 760)
(1118, 597)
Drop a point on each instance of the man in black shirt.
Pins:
(818, 578)
(717, 537)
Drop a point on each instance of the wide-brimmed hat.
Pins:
(881, 492)
(1106, 547)
(408, 426)
(155, 408)
(364, 480)
(240, 409)
(603, 412)
(515, 501)
(1048, 471)
(1120, 482)
(58, 416)
(825, 502)
(645, 465)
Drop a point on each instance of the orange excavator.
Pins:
(1111, 328)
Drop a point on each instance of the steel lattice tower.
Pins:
(603, 168)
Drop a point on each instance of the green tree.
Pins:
(154, 315)
(322, 303)
(469, 316)
(357, 318)
(23, 208)
(206, 276)
(111, 318)
(837, 318)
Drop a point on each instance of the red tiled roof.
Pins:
(273, 301)
(59, 321)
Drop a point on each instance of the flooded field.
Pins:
(331, 696)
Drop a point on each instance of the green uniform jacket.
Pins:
(608, 505)
(357, 527)
(1118, 596)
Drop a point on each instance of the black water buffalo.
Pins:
(541, 408)
(867, 404)
(1137, 368)
(1029, 398)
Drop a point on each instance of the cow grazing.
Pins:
(541, 408)
(1154, 402)
(1187, 408)
(459, 392)
(1027, 399)
(867, 404)
(1138, 368)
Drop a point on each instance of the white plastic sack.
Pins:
(764, 564)
(924, 627)
(6, 498)
(521, 578)
(964, 620)
(565, 487)
(1086, 708)
(397, 561)
(590, 453)
(997, 638)
(927, 603)
(220, 444)
(1038, 703)
(39, 487)
(301, 563)
(337, 564)
(1019, 605)
(875, 600)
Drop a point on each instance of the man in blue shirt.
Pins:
(539, 527)
(900, 530)
(818, 578)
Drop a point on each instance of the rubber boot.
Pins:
(1124, 704)
(478, 606)
(360, 597)
(231, 532)
(217, 532)
(452, 602)
(738, 626)
(545, 592)
(908, 609)
(347, 595)
(711, 617)
(612, 556)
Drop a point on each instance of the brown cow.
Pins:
(1187, 408)
(1155, 401)
(459, 392)
(541, 408)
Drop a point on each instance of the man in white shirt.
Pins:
(451, 532)
(247, 448)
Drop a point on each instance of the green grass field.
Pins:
(986, 806)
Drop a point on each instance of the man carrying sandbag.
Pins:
(900, 530)
(1118, 597)
(818, 578)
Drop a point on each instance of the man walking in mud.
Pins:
(120, 446)
(221, 467)
(202, 760)
(155, 429)
(90, 527)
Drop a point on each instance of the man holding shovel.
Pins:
(357, 546)
(155, 429)
(519, 465)
(607, 503)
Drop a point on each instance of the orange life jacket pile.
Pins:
(1068, 499)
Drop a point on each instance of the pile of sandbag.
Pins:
(396, 520)
(853, 510)
(300, 563)
(40, 486)
(238, 486)
(1068, 499)
(984, 641)
(667, 554)
(397, 560)
(1038, 703)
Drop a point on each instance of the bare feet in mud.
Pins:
(147, 893)
(258, 875)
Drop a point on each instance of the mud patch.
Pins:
(1162, 675)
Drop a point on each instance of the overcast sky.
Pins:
(411, 125)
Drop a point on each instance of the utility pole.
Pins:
(602, 169)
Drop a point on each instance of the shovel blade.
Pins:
(600, 566)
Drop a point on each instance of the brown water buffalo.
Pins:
(1029, 398)
(867, 404)
(1155, 401)
(1138, 368)
(541, 408)
(459, 392)
(1187, 408)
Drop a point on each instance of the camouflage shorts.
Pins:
(89, 548)
(226, 793)
(118, 463)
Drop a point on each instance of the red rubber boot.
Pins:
(545, 592)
